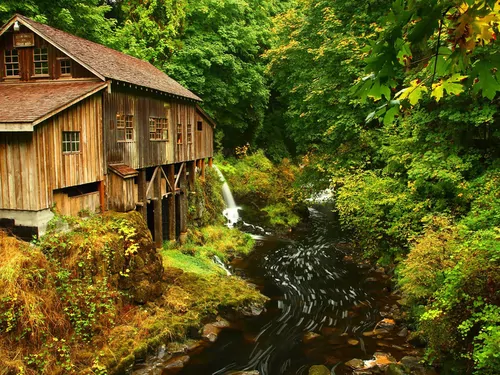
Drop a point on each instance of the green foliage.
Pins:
(265, 188)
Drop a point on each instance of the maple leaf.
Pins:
(412, 93)
(451, 85)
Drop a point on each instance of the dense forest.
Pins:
(393, 104)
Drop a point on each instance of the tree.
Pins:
(432, 48)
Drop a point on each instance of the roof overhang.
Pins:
(29, 126)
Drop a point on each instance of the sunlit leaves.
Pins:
(451, 85)
(413, 93)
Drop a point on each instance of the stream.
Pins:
(322, 308)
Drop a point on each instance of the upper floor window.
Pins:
(11, 63)
(125, 127)
(41, 61)
(65, 67)
(179, 134)
(158, 129)
(190, 133)
(71, 142)
(199, 126)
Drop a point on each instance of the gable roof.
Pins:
(105, 62)
(24, 105)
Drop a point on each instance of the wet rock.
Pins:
(356, 364)
(413, 365)
(254, 372)
(403, 332)
(353, 342)
(371, 280)
(310, 336)
(252, 310)
(319, 370)
(175, 365)
(375, 332)
(328, 331)
(210, 332)
(395, 369)
(221, 323)
(386, 323)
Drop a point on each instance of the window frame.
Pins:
(179, 134)
(189, 134)
(124, 128)
(74, 142)
(199, 126)
(41, 61)
(154, 129)
(7, 64)
(70, 67)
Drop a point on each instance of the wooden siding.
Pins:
(19, 188)
(141, 152)
(59, 170)
(204, 146)
(71, 206)
(26, 64)
(122, 193)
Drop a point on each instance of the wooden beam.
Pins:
(203, 168)
(143, 198)
(178, 175)
(152, 181)
(168, 182)
(171, 203)
(183, 206)
(158, 225)
(210, 162)
(102, 195)
(192, 175)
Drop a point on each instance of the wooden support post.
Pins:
(157, 211)
(102, 195)
(210, 162)
(192, 174)
(202, 168)
(171, 203)
(141, 187)
(183, 205)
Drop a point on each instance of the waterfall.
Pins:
(231, 210)
(221, 264)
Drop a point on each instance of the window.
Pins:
(179, 134)
(11, 63)
(125, 127)
(158, 129)
(65, 67)
(41, 61)
(71, 142)
(199, 126)
(190, 134)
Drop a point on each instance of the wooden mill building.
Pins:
(86, 128)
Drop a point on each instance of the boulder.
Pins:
(175, 365)
(210, 333)
(395, 369)
(319, 370)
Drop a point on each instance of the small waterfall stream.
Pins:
(231, 211)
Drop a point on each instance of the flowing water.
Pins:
(231, 210)
(311, 289)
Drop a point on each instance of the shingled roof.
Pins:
(107, 63)
(24, 105)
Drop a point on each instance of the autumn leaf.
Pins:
(412, 93)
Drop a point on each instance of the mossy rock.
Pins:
(319, 370)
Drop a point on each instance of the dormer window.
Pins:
(11, 63)
(41, 61)
(65, 67)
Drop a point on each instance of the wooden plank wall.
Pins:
(204, 147)
(26, 60)
(184, 114)
(71, 206)
(18, 172)
(58, 170)
(122, 193)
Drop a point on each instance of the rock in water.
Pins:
(319, 370)
(210, 332)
